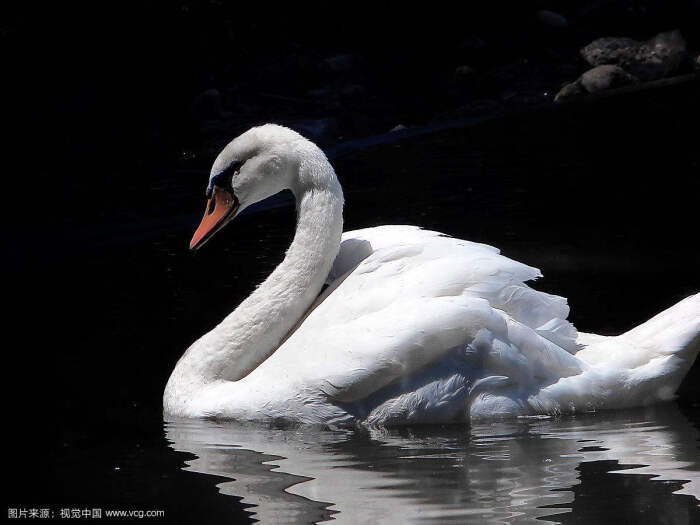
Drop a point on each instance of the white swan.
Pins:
(414, 326)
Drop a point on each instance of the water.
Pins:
(643, 463)
(608, 212)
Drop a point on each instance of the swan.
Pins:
(413, 326)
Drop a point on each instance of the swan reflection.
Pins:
(504, 471)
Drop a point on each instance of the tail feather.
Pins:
(674, 331)
(639, 367)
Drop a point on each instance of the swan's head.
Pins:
(254, 166)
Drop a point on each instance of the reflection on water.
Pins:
(510, 471)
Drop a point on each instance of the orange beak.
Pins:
(221, 208)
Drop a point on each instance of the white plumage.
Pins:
(414, 326)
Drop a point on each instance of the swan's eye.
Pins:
(224, 179)
(232, 169)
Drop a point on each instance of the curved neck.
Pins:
(254, 330)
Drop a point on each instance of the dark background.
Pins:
(114, 112)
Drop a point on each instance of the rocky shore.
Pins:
(619, 61)
(552, 56)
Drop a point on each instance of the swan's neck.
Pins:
(254, 330)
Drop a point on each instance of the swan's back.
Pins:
(449, 266)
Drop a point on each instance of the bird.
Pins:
(397, 325)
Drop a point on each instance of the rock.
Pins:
(570, 91)
(552, 19)
(607, 50)
(464, 72)
(594, 80)
(605, 77)
(655, 58)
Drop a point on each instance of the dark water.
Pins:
(602, 198)
(591, 468)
